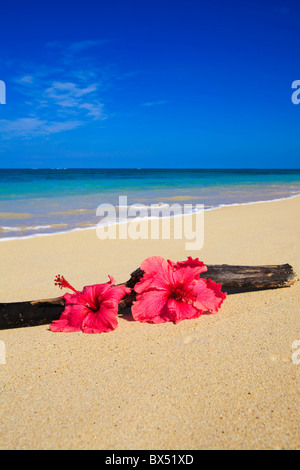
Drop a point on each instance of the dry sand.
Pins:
(225, 381)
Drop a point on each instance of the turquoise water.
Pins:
(23, 184)
(54, 200)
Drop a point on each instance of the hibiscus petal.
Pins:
(103, 321)
(209, 295)
(157, 274)
(62, 326)
(196, 265)
(185, 276)
(73, 315)
(182, 311)
(75, 299)
(151, 307)
(97, 291)
(93, 310)
(106, 318)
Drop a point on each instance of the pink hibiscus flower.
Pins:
(174, 291)
(94, 310)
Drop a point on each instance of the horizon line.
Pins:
(150, 168)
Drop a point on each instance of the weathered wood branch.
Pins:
(21, 314)
(234, 278)
(237, 278)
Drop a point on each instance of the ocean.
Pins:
(44, 201)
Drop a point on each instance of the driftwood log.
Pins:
(233, 279)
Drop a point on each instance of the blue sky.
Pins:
(146, 84)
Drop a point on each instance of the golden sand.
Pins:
(225, 381)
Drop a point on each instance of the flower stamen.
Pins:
(61, 282)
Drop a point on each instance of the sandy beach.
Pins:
(224, 381)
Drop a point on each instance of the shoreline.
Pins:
(147, 218)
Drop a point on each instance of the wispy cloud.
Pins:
(78, 46)
(32, 126)
(94, 109)
(154, 103)
(26, 79)
(58, 98)
(83, 45)
(71, 89)
(70, 96)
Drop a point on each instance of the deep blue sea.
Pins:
(39, 201)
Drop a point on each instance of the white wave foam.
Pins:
(220, 206)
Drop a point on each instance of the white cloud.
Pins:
(21, 126)
(82, 45)
(54, 127)
(71, 97)
(154, 103)
(76, 47)
(26, 79)
(94, 109)
(32, 126)
(61, 97)
(64, 89)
